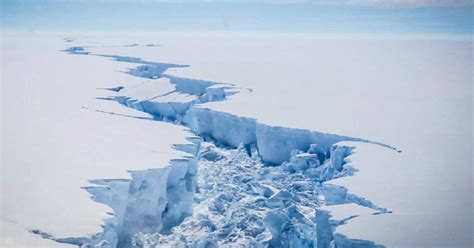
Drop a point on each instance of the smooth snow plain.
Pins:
(415, 95)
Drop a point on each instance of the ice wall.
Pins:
(154, 200)
(274, 143)
(225, 128)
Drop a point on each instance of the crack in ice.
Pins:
(238, 196)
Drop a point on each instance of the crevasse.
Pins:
(228, 191)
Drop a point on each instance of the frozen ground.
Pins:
(414, 95)
(54, 141)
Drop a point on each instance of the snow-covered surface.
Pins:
(430, 208)
(415, 95)
(15, 235)
(54, 141)
(292, 74)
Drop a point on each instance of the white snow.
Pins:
(430, 208)
(15, 235)
(412, 94)
(52, 145)
(415, 95)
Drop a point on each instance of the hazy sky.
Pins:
(320, 16)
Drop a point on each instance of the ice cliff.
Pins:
(243, 183)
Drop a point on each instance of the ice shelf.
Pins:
(158, 205)
(156, 160)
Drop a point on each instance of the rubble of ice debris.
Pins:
(241, 202)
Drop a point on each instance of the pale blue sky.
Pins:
(340, 16)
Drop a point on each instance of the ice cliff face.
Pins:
(154, 200)
(248, 184)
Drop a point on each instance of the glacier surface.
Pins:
(251, 185)
(231, 179)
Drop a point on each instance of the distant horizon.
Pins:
(324, 36)
(150, 17)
